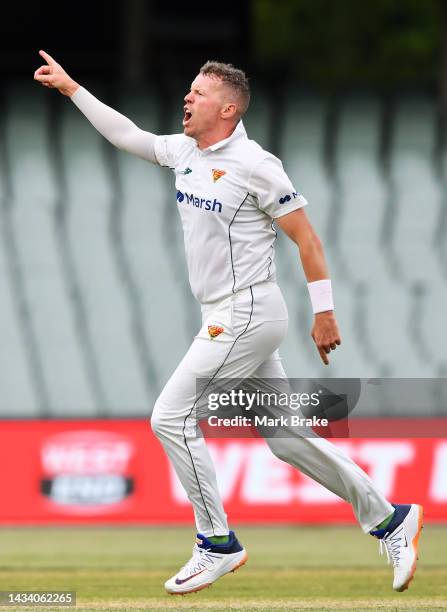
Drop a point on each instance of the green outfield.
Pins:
(288, 569)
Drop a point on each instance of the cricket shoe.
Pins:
(400, 540)
(208, 563)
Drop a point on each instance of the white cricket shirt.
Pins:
(227, 197)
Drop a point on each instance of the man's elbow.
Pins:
(310, 242)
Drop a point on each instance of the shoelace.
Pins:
(392, 546)
(201, 559)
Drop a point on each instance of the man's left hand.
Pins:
(325, 334)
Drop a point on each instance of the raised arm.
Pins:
(118, 129)
(298, 228)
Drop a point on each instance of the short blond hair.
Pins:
(234, 78)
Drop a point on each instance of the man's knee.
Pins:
(159, 422)
(156, 421)
(164, 422)
(280, 447)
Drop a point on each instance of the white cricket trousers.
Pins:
(255, 323)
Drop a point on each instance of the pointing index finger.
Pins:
(323, 356)
(50, 61)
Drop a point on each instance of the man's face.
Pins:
(203, 106)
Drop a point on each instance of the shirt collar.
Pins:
(238, 131)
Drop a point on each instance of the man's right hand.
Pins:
(54, 76)
(325, 334)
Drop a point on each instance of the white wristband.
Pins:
(321, 295)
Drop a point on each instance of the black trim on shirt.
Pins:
(229, 238)
(273, 248)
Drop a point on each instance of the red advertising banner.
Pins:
(116, 472)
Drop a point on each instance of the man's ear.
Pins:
(229, 110)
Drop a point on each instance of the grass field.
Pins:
(288, 569)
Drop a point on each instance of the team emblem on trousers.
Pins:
(214, 330)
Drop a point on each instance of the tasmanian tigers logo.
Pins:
(217, 174)
(214, 330)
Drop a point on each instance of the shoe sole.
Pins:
(242, 562)
(415, 544)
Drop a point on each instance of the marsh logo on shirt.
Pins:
(204, 203)
(287, 198)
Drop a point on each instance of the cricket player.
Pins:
(229, 193)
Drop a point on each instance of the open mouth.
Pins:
(187, 116)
